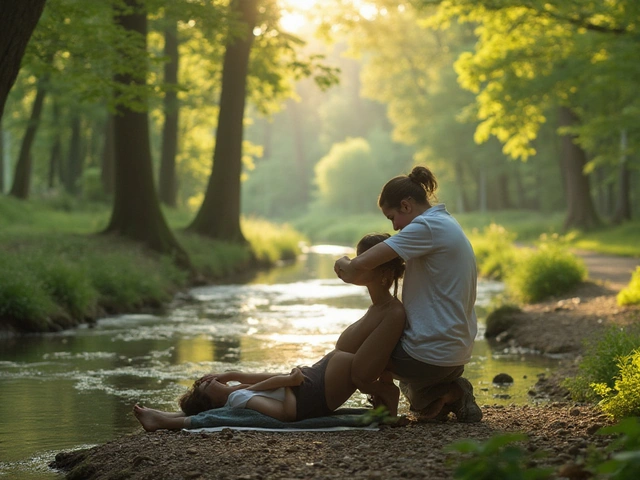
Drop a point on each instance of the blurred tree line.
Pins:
(513, 104)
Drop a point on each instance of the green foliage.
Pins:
(495, 459)
(67, 284)
(546, 271)
(600, 362)
(347, 177)
(621, 461)
(494, 250)
(623, 400)
(24, 300)
(271, 243)
(631, 294)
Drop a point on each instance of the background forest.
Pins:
(525, 105)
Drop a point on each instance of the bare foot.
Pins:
(152, 420)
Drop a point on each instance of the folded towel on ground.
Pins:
(247, 419)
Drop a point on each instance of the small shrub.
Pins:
(549, 270)
(631, 294)
(621, 459)
(271, 242)
(495, 252)
(600, 362)
(495, 459)
(623, 400)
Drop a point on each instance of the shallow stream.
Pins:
(75, 389)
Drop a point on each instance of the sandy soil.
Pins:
(558, 429)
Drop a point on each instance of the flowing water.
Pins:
(76, 388)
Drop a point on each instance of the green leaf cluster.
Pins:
(623, 400)
(545, 271)
(621, 461)
(494, 250)
(600, 363)
(495, 459)
(630, 295)
(536, 55)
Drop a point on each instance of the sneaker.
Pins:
(466, 409)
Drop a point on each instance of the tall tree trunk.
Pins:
(1, 158)
(581, 213)
(462, 200)
(17, 21)
(219, 215)
(167, 184)
(136, 210)
(482, 190)
(623, 203)
(108, 157)
(22, 177)
(75, 160)
(56, 149)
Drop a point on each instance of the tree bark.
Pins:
(74, 162)
(581, 213)
(56, 148)
(17, 21)
(1, 158)
(461, 199)
(108, 158)
(167, 184)
(22, 178)
(623, 203)
(136, 210)
(219, 215)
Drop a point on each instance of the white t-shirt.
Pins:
(439, 288)
(239, 398)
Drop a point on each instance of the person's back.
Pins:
(439, 290)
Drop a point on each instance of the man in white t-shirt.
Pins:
(438, 293)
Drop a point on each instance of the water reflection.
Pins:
(62, 391)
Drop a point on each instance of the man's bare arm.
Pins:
(352, 270)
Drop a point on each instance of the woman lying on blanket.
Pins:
(318, 390)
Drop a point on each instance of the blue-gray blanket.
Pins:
(244, 417)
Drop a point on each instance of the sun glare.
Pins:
(297, 14)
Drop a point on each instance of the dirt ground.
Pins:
(558, 429)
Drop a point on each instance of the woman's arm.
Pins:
(242, 377)
(291, 380)
(350, 270)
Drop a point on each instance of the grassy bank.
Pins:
(56, 272)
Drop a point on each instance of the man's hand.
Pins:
(340, 265)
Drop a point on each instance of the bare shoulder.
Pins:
(396, 311)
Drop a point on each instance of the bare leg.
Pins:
(384, 393)
(338, 386)
(152, 420)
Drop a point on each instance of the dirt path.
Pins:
(613, 270)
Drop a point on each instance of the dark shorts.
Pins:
(310, 399)
(420, 382)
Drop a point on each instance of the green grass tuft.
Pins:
(630, 295)
(546, 271)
